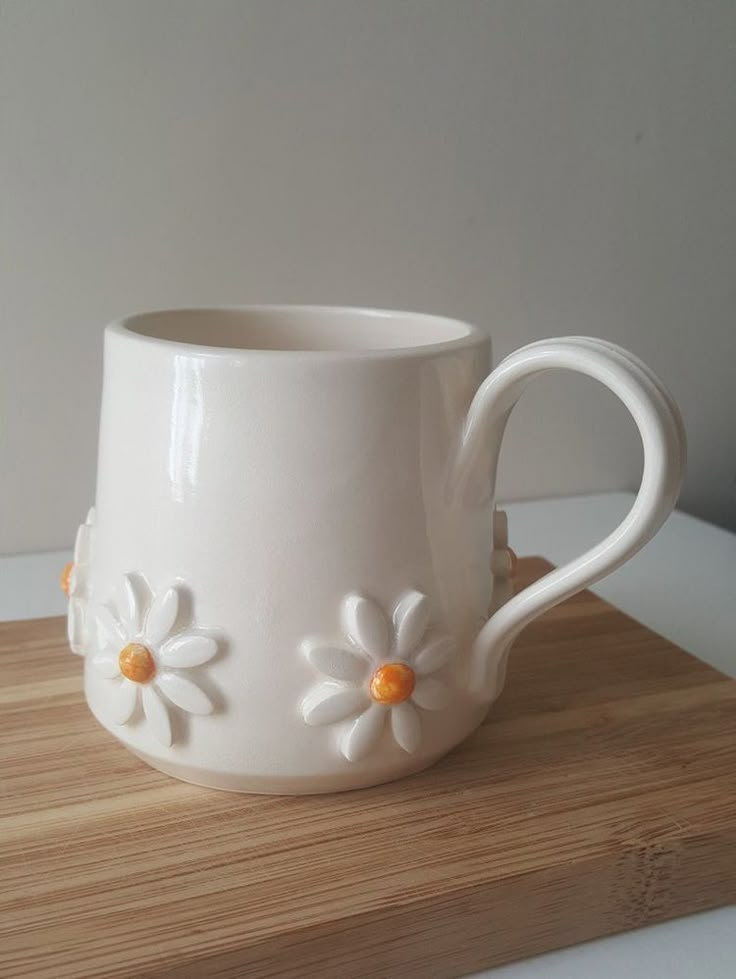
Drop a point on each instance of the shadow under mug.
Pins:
(284, 584)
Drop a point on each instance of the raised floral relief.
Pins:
(379, 672)
(75, 584)
(145, 656)
(503, 563)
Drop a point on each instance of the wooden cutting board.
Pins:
(600, 795)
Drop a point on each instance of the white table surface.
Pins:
(682, 585)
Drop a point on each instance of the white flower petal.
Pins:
(108, 666)
(81, 544)
(129, 606)
(364, 733)
(75, 581)
(340, 664)
(411, 617)
(430, 694)
(188, 650)
(434, 655)
(75, 626)
(366, 625)
(123, 702)
(157, 715)
(406, 727)
(184, 693)
(329, 703)
(109, 630)
(91, 516)
(162, 615)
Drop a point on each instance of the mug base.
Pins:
(281, 785)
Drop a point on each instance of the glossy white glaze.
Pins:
(271, 483)
(663, 440)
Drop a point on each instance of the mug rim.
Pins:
(470, 335)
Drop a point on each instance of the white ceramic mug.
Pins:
(284, 585)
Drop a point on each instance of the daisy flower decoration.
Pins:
(145, 657)
(75, 585)
(503, 562)
(379, 673)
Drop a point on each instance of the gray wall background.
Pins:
(536, 167)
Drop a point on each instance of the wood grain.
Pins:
(599, 796)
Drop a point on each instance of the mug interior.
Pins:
(304, 328)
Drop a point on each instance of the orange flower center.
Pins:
(392, 683)
(136, 663)
(66, 577)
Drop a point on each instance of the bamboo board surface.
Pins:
(600, 795)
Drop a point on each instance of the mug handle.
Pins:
(663, 438)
